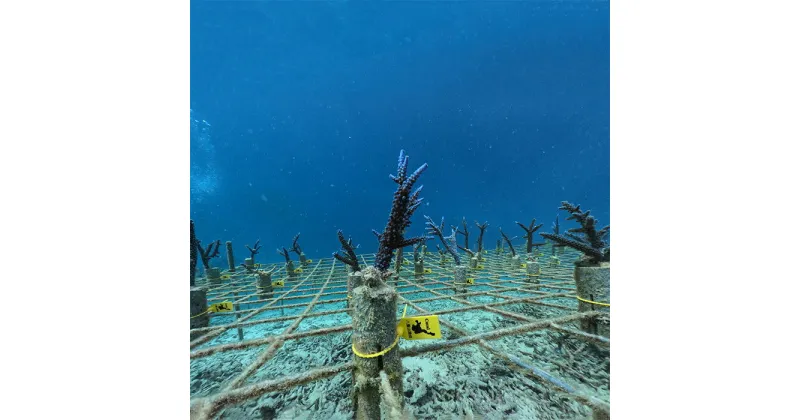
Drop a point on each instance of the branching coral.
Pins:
(482, 228)
(207, 254)
(586, 239)
(418, 251)
(449, 242)
(285, 254)
(529, 231)
(295, 246)
(404, 204)
(465, 232)
(508, 241)
(349, 258)
(556, 231)
(254, 250)
(259, 272)
(467, 250)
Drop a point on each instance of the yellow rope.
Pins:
(592, 302)
(384, 351)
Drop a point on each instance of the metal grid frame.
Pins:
(324, 281)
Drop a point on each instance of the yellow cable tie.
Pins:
(380, 353)
(384, 351)
(200, 314)
(592, 302)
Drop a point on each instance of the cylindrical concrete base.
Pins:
(264, 285)
(419, 268)
(198, 304)
(600, 415)
(374, 330)
(533, 270)
(592, 283)
(473, 262)
(213, 276)
(303, 259)
(290, 270)
(353, 280)
(248, 262)
(514, 263)
(460, 279)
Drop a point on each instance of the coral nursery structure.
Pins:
(334, 339)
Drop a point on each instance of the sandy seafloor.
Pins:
(459, 383)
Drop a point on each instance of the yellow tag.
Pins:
(257, 265)
(419, 327)
(470, 280)
(524, 265)
(480, 267)
(405, 262)
(277, 283)
(298, 270)
(309, 261)
(221, 307)
(225, 276)
(428, 271)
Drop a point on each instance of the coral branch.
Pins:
(508, 241)
(403, 206)
(295, 246)
(465, 232)
(482, 228)
(350, 258)
(529, 231)
(449, 242)
(254, 249)
(467, 250)
(207, 254)
(285, 254)
(592, 244)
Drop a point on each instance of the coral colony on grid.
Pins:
(377, 327)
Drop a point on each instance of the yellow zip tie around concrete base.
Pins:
(592, 302)
(384, 351)
(203, 313)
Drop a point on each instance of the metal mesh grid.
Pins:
(296, 310)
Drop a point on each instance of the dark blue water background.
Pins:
(307, 104)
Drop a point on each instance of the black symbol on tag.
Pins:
(417, 328)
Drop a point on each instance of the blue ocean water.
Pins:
(299, 111)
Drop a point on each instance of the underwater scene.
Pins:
(399, 210)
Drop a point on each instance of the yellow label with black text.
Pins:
(221, 307)
(298, 270)
(277, 283)
(470, 280)
(419, 327)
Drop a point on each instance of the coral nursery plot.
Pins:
(509, 348)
